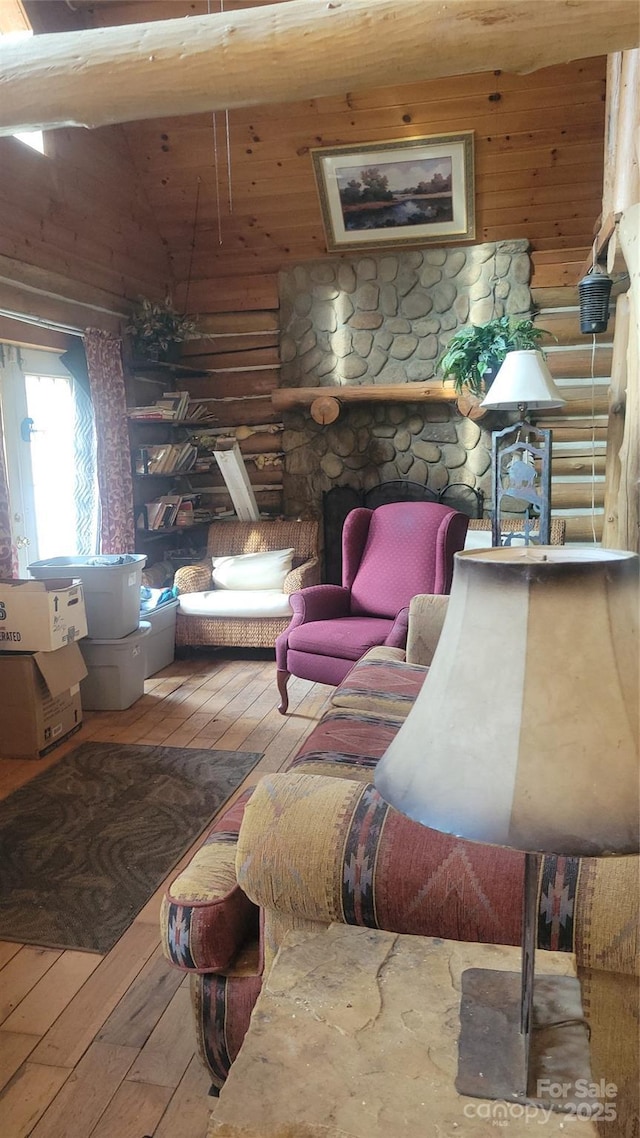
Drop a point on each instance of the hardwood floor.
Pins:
(103, 1046)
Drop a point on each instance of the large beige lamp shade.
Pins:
(525, 733)
(523, 380)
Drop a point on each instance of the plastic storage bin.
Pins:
(116, 671)
(160, 644)
(111, 584)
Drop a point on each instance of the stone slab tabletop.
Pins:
(354, 1035)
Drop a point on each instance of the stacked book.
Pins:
(172, 406)
(161, 513)
(165, 458)
(171, 510)
(200, 413)
(203, 463)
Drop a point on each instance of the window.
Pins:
(50, 447)
(32, 138)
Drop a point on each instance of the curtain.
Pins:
(7, 559)
(8, 551)
(106, 379)
(86, 494)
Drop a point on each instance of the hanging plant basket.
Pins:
(159, 331)
(153, 353)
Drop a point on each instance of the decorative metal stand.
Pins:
(503, 1013)
(521, 469)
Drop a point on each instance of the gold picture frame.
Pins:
(409, 191)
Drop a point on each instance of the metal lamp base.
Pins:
(492, 1059)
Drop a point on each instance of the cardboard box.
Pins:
(40, 700)
(41, 616)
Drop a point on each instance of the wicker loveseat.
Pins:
(238, 628)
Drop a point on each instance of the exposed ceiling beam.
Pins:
(288, 52)
(13, 17)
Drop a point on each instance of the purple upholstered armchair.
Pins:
(388, 556)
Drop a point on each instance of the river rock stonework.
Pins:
(373, 443)
(386, 319)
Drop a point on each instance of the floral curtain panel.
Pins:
(106, 378)
(6, 552)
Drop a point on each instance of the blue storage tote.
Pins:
(116, 671)
(160, 644)
(111, 585)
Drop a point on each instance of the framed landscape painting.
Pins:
(410, 191)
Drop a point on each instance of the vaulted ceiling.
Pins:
(233, 192)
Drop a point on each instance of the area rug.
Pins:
(86, 843)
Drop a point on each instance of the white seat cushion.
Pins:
(251, 603)
(481, 539)
(478, 539)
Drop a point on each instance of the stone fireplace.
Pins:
(385, 320)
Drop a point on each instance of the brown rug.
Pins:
(86, 843)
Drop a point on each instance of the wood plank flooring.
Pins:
(103, 1046)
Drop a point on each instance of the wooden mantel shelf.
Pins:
(325, 402)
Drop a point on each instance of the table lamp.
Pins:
(521, 453)
(525, 735)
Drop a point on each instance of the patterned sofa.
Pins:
(317, 844)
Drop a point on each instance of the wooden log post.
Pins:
(628, 522)
(289, 52)
(325, 410)
(615, 430)
(626, 185)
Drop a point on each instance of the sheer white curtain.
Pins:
(51, 456)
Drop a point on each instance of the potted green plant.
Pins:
(474, 353)
(158, 330)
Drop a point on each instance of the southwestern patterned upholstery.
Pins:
(317, 844)
(347, 743)
(388, 556)
(207, 914)
(381, 686)
(349, 869)
(231, 537)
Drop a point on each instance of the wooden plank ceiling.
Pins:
(233, 194)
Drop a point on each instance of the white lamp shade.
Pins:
(523, 378)
(525, 733)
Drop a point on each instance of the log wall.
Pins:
(538, 157)
(78, 236)
(75, 227)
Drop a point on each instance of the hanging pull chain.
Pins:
(193, 241)
(215, 158)
(214, 126)
(228, 138)
(593, 440)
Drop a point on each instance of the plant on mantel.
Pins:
(157, 329)
(474, 354)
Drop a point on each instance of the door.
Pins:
(17, 451)
(41, 448)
